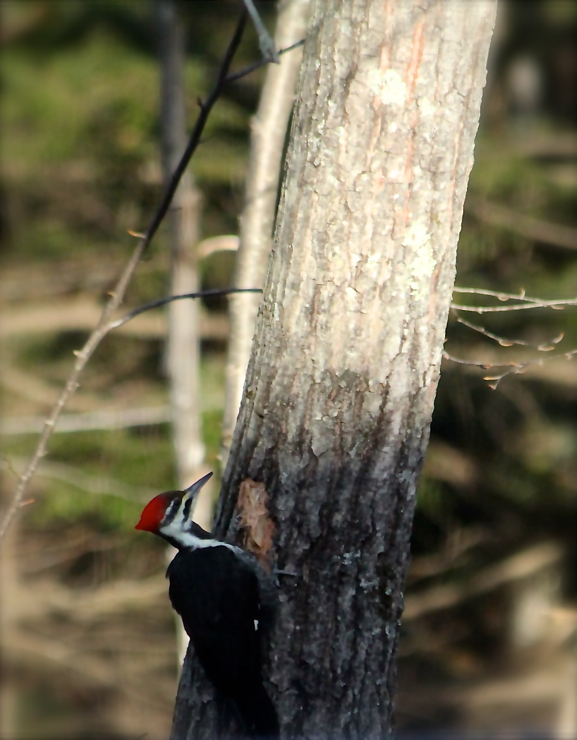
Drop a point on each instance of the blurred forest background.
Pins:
(87, 635)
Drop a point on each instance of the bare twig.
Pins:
(82, 358)
(505, 342)
(494, 294)
(512, 368)
(171, 298)
(557, 305)
(261, 63)
(265, 42)
(525, 302)
(117, 295)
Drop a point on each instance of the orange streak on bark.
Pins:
(416, 57)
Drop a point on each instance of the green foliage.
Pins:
(82, 165)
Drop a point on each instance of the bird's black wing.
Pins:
(217, 597)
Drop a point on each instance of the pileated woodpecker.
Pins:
(223, 597)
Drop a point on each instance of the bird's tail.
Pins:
(258, 713)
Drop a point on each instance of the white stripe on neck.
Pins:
(191, 541)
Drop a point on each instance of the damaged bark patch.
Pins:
(255, 521)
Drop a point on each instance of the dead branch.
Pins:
(558, 372)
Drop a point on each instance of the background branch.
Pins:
(525, 301)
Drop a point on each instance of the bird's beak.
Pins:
(190, 493)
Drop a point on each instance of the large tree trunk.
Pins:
(347, 350)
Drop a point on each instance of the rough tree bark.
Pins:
(268, 134)
(346, 356)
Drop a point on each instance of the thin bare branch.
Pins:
(171, 298)
(525, 301)
(472, 363)
(511, 368)
(117, 295)
(506, 342)
(261, 63)
(72, 383)
(520, 296)
(265, 42)
(194, 140)
(557, 305)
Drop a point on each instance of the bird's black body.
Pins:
(217, 597)
(224, 599)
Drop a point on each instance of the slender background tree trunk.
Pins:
(183, 220)
(346, 356)
(268, 135)
(183, 345)
(183, 339)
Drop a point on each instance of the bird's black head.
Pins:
(168, 515)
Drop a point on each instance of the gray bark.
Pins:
(345, 362)
(268, 134)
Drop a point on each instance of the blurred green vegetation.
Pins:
(81, 167)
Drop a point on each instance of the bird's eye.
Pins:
(186, 509)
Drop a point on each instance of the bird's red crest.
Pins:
(153, 513)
